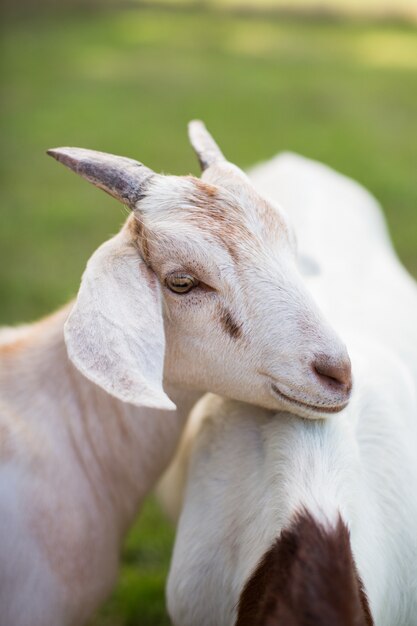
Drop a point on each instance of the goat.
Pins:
(302, 523)
(200, 290)
(286, 521)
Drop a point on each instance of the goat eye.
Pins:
(181, 283)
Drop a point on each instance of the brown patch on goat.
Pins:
(308, 577)
(209, 190)
(221, 216)
(224, 217)
(138, 232)
(215, 214)
(230, 325)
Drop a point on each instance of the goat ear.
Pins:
(114, 333)
(123, 178)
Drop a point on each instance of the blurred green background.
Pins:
(127, 80)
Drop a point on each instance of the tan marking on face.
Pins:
(223, 215)
(219, 217)
(209, 190)
(139, 235)
(230, 324)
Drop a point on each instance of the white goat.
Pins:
(199, 291)
(299, 523)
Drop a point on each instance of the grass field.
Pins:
(128, 82)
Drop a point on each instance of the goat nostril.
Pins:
(334, 374)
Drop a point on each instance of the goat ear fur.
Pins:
(115, 333)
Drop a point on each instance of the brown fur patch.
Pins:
(218, 213)
(307, 578)
(230, 325)
(215, 213)
(209, 190)
(224, 213)
(138, 232)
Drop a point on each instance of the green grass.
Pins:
(128, 82)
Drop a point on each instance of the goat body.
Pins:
(256, 486)
(76, 464)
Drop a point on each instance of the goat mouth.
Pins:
(305, 405)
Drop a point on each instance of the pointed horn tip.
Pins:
(196, 122)
(53, 152)
(196, 126)
(61, 154)
(71, 157)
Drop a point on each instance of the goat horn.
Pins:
(206, 149)
(123, 178)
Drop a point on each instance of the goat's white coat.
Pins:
(250, 470)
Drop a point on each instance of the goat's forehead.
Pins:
(235, 213)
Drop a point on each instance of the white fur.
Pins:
(121, 314)
(359, 283)
(250, 470)
(76, 464)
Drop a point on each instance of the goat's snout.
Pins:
(334, 374)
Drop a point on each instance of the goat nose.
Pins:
(334, 374)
